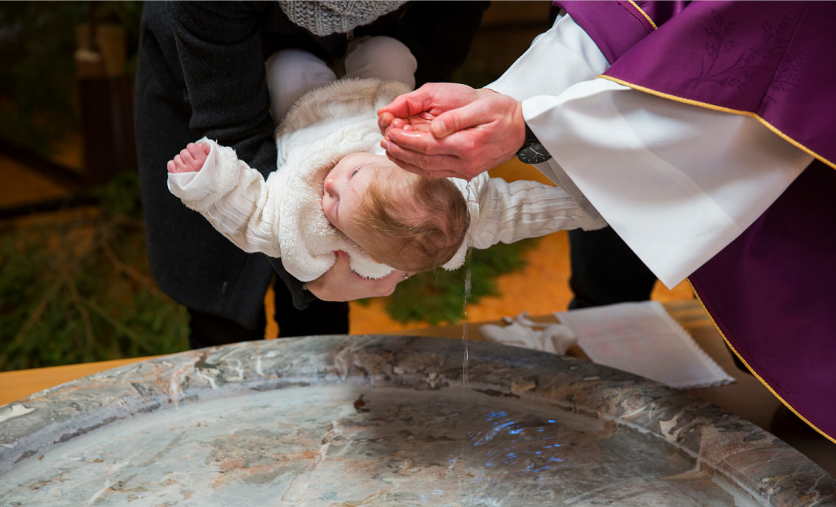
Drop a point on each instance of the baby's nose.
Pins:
(329, 186)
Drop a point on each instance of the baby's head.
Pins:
(410, 222)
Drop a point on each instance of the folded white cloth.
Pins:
(643, 339)
(525, 333)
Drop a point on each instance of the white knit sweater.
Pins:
(283, 216)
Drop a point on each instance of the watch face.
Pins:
(534, 153)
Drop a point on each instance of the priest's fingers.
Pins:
(384, 120)
(406, 105)
(487, 110)
(435, 172)
(434, 98)
(485, 122)
(421, 150)
(396, 123)
(421, 141)
(435, 166)
(465, 153)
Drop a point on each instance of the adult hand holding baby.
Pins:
(451, 130)
(340, 283)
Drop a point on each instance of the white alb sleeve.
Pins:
(677, 182)
(509, 212)
(235, 199)
(557, 59)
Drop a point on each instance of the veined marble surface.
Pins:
(383, 420)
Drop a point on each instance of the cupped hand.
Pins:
(420, 122)
(340, 283)
(427, 103)
(462, 142)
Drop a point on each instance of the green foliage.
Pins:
(82, 291)
(120, 197)
(438, 296)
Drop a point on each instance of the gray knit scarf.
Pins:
(325, 17)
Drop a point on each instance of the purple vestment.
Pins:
(772, 291)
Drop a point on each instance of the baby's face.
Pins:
(346, 185)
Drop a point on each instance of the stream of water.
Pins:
(467, 289)
(466, 358)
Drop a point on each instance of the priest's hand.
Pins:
(445, 129)
(431, 99)
(340, 283)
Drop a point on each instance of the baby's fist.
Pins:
(189, 160)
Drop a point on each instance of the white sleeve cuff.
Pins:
(677, 182)
(196, 186)
(556, 60)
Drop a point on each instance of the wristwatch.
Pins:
(532, 151)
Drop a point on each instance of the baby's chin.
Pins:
(331, 222)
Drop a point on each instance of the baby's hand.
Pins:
(189, 160)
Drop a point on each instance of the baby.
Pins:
(400, 219)
(335, 190)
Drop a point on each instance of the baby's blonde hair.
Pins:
(412, 223)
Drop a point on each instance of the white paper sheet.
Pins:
(641, 338)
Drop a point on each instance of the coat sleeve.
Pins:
(219, 45)
(509, 212)
(235, 199)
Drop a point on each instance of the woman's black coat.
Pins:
(200, 72)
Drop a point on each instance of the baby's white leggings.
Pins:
(292, 72)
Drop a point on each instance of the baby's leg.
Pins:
(290, 74)
(382, 58)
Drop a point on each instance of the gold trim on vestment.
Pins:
(780, 134)
(724, 110)
(643, 14)
(825, 435)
